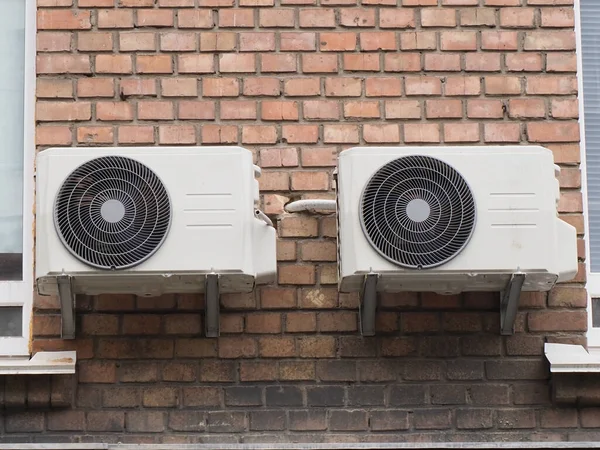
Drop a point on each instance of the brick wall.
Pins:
(297, 81)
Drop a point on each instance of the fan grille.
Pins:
(112, 212)
(418, 212)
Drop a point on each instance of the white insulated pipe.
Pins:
(311, 205)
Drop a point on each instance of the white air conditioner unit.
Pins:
(451, 219)
(149, 221)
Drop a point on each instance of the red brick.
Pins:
(361, 109)
(302, 87)
(95, 135)
(279, 110)
(426, 40)
(462, 86)
(53, 41)
(135, 134)
(477, 17)
(332, 42)
(565, 109)
(296, 42)
(136, 41)
(63, 64)
(343, 87)
(421, 133)
(310, 181)
(115, 18)
(274, 181)
(378, 40)
(361, 62)
(482, 62)
(198, 63)
(526, 108)
(557, 321)
(238, 110)
(195, 18)
(337, 321)
(154, 64)
(383, 87)
(220, 87)
(155, 110)
(340, 134)
(219, 134)
(63, 111)
(63, 19)
(549, 40)
(296, 274)
(237, 63)
(458, 40)
(276, 18)
(259, 134)
(237, 347)
(176, 134)
(94, 41)
(264, 323)
(557, 17)
(178, 42)
(154, 18)
(316, 347)
(403, 109)
(296, 370)
(257, 42)
(402, 62)
(437, 109)
(357, 17)
(502, 85)
(278, 62)
(138, 87)
(179, 87)
(553, 132)
(423, 85)
(517, 17)
(561, 62)
(218, 42)
(196, 110)
(397, 18)
(551, 85)
(319, 157)
(278, 157)
(114, 111)
(442, 62)
(53, 135)
(319, 63)
(524, 62)
(438, 17)
(502, 132)
(258, 371)
(389, 133)
(317, 18)
(51, 88)
(499, 40)
(461, 132)
(300, 134)
(300, 322)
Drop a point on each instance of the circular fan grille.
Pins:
(112, 212)
(417, 212)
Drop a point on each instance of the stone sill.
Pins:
(568, 358)
(42, 363)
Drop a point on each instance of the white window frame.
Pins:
(20, 293)
(593, 279)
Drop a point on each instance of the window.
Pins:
(17, 147)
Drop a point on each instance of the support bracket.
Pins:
(211, 305)
(67, 306)
(509, 303)
(368, 305)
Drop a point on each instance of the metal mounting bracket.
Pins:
(509, 303)
(368, 305)
(67, 306)
(211, 305)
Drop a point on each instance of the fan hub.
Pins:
(418, 210)
(112, 211)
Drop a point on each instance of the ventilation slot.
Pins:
(112, 212)
(417, 212)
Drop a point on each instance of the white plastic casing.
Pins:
(214, 227)
(517, 226)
